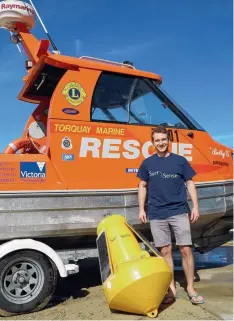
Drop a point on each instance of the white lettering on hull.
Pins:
(110, 148)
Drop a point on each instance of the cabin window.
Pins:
(46, 81)
(127, 99)
(111, 98)
(192, 121)
(148, 107)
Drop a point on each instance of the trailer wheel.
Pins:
(27, 282)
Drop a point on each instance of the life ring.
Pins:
(16, 145)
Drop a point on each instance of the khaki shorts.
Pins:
(180, 225)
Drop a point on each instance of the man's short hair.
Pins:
(159, 130)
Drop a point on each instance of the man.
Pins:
(165, 175)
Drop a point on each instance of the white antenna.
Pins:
(43, 26)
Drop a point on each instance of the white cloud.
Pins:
(78, 45)
(131, 50)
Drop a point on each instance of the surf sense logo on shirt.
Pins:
(32, 170)
(163, 175)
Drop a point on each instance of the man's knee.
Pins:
(166, 250)
(186, 251)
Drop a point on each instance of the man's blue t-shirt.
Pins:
(166, 177)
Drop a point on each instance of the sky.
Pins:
(188, 43)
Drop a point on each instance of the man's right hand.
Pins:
(142, 216)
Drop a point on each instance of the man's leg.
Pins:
(166, 252)
(188, 267)
(181, 227)
(162, 240)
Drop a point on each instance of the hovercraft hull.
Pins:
(69, 214)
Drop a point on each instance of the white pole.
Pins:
(43, 26)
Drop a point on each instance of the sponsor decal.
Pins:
(16, 6)
(70, 111)
(68, 157)
(131, 170)
(7, 173)
(66, 143)
(220, 163)
(74, 93)
(219, 152)
(32, 170)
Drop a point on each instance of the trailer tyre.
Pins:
(27, 282)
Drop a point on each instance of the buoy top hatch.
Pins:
(15, 11)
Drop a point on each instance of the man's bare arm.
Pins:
(142, 190)
(193, 194)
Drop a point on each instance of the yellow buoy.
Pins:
(133, 280)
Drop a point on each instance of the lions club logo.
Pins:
(74, 93)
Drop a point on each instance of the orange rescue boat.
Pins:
(81, 148)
